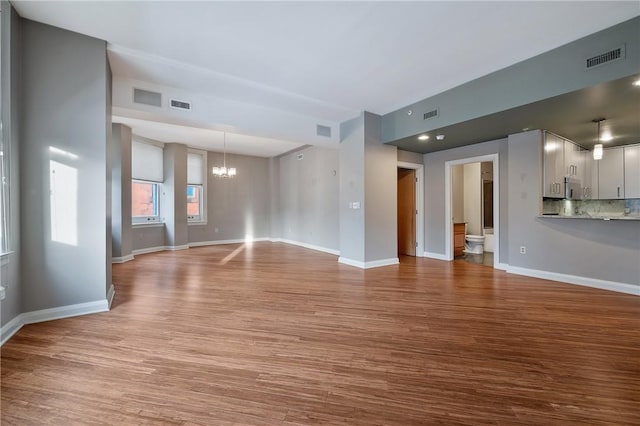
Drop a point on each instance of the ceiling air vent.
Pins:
(146, 97)
(430, 114)
(180, 105)
(323, 131)
(606, 57)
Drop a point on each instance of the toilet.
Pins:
(474, 244)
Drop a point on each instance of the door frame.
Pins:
(419, 168)
(494, 158)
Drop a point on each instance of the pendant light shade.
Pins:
(223, 171)
(597, 148)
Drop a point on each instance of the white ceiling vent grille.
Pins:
(431, 114)
(323, 131)
(186, 106)
(606, 57)
(146, 97)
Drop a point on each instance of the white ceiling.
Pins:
(322, 60)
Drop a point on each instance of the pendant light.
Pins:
(597, 148)
(223, 171)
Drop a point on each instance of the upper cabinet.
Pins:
(632, 171)
(554, 167)
(588, 175)
(611, 174)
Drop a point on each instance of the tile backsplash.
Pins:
(592, 208)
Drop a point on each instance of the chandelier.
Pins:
(223, 171)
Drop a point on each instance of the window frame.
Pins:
(201, 219)
(152, 219)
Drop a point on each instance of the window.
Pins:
(196, 166)
(147, 176)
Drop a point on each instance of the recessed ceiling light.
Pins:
(409, 112)
(423, 137)
(606, 137)
(440, 137)
(525, 129)
(636, 83)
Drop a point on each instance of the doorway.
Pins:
(406, 212)
(487, 219)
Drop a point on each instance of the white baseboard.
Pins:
(501, 266)
(148, 250)
(370, 264)
(122, 259)
(222, 242)
(16, 324)
(574, 279)
(305, 245)
(437, 256)
(174, 248)
(110, 293)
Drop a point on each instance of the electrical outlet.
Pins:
(523, 250)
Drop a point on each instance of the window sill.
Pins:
(197, 222)
(148, 225)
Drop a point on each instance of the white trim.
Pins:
(122, 259)
(147, 225)
(419, 168)
(222, 242)
(577, 280)
(501, 266)
(110, 294)
(370, 264)
(310, 246)
(3, 292)
(494, 158)
(174, 248)
(437, 256)
(147, 250)
(16, 324)
(10, 328)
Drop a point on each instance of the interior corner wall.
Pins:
(434, 193)
(109, 176)
(173, 203)
(237, 208)
(309, 191)
(275, 222)
(62, 126)
(352, 163)
(121, 229)
(381, 193)
(597, 249)
(10, 74)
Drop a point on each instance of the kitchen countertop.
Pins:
(555, 216)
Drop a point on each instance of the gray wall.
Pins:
(434, 194)
(148, 236)
(236, 207)
(11, 306)
(309, 191)
(275, 223)
(121, 190)
(173, 203)
(550, 74)
(64, 105)
(381, 193)
(606, 250)
(352, 163)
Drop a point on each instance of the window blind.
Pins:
(146, 162)
(195, 169)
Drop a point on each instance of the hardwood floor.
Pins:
(276, 334)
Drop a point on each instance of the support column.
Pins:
(174, 196)
(121, 229)
(368, 194)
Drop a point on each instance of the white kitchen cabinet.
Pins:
(632, 171)
(553, 166)
(611, 174)
(588, 175)
(572, 160)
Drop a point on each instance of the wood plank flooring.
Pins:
(271, 334)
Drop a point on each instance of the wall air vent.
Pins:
(606, 57)
(146, 97)
(180, 105)
(323, 131)
(430, 114)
